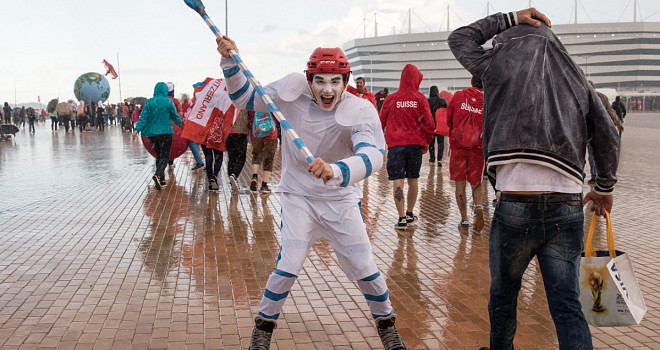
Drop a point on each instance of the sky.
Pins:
(47, 44)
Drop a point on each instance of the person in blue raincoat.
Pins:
(156, 124)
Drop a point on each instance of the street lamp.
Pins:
(586, 65)
(371, 72)
(371, 69)
(15, 103)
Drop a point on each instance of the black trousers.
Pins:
(161, 145)
(441, 147)
(236, 149)
(213, 159)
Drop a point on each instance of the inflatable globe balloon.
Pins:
(91, 87)
(179, 144)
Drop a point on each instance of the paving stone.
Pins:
(94, 257)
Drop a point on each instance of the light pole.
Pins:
(371, 72)
(371, 69)
(586, 65)
(15, 103)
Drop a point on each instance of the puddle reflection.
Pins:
(161, 248)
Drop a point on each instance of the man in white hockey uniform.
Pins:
(344, 134)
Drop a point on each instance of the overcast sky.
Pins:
(47, 44)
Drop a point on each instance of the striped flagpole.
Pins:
(199, 8)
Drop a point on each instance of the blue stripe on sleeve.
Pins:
(382, 150)
(377, 298)
(250, 104)
(363, 144)
(372, 277)
(278, 296)
(367, 163)
(240, 91)
(285, 124)
(345, 173)
(228, 73)
(284, 273)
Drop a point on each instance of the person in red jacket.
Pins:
(466, 158)
(361, 91)
(408, 124)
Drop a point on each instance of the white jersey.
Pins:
(350, 137)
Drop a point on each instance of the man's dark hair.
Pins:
(476, 82)
(359, 78)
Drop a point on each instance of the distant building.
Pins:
(622, 56)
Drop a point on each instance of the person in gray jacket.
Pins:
(539, 114)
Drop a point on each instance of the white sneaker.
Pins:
(234, 184)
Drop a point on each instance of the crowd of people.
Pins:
(529, 137)
(69, 115)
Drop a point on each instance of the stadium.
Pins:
(620, 58)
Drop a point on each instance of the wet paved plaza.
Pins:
(93, 257)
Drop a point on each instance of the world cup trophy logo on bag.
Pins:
(596, 283)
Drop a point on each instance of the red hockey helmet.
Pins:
(328, 60)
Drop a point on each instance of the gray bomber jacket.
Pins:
(538, 106)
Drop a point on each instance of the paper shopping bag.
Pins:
(609, 293)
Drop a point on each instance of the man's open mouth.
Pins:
(327, 100)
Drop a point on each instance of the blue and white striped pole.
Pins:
(199, 8)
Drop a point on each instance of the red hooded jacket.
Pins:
(465, 119)
(405, 115)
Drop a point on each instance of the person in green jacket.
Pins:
(156, 124)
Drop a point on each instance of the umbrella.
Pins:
(138, 100)
(50, 108)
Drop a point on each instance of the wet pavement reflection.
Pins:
(95, 258)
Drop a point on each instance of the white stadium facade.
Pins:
(620, 58)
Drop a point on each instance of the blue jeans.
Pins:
(552, 232)
(195, 151)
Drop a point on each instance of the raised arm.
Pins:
(466, 42)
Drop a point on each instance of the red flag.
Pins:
(209, 120)
(110, 69)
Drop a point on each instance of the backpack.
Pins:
(263, 125)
